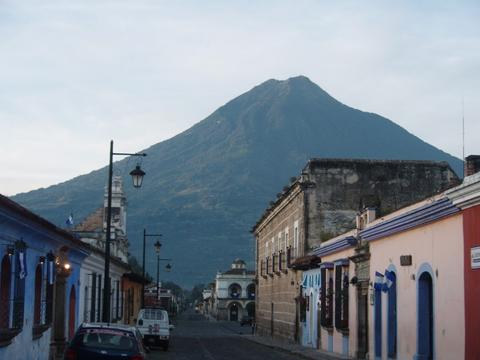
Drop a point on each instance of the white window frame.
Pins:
(287, 239)
(296, 237)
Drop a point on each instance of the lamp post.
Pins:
(137, 177)
(145, 235)
(168, 267)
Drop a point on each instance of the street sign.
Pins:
(475, 257)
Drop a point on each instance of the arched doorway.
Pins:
(71, 313)
(425, 317)
(233, 311)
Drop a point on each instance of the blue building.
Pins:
(39, 284)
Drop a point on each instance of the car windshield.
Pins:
(106, 339)
(153, 314)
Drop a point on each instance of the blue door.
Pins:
(425, 317)
(392, 317)
(378, 323)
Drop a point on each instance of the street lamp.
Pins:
(137, 177)
(145, 235)
(158, 246)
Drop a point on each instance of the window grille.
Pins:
(341, 297)
(5, 292)
(99, 298)
(93, 298)
(326, 298)
(37, 302)
(18, 302)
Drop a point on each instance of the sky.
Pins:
(76, 74)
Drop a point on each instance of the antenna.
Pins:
(463, 135)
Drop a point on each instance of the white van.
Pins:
(154, 327)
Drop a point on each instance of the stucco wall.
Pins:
(440, 246)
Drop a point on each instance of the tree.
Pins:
(137, 268)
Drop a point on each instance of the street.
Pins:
(195, 338)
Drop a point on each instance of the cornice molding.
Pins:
(467, 194)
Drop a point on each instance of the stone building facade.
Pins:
(320, 204)
(235, 293)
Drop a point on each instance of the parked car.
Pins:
(155, 327)
(101, 341)
(246, 320)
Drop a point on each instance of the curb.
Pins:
(317, 356)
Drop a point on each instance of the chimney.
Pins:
(365, 217)
(472, 165)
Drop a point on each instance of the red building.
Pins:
(467, 197)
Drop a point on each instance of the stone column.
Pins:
(362, 273)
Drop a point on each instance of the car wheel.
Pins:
(165, 347)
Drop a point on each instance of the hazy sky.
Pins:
(75, 74)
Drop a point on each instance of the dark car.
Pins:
(101, 341)
(246, 320)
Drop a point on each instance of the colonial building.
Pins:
(124, 304)
(39, 284)
(320, 204)
(234, 294)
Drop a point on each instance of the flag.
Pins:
(22, 259)
(378, 285)
(389, 279)
(69, 220)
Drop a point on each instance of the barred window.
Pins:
(5, 290)
(85, 306)
(99, 298)
(19, 285)
(37, 304)
(326, 294)
(47, 306)
(341, 297)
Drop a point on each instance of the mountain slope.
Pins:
(207, 186)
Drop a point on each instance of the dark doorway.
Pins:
(71, 313)
(425, 317)
(362, 298)
(251, 309)
(234, 312)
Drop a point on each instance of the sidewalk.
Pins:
(305, 352)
